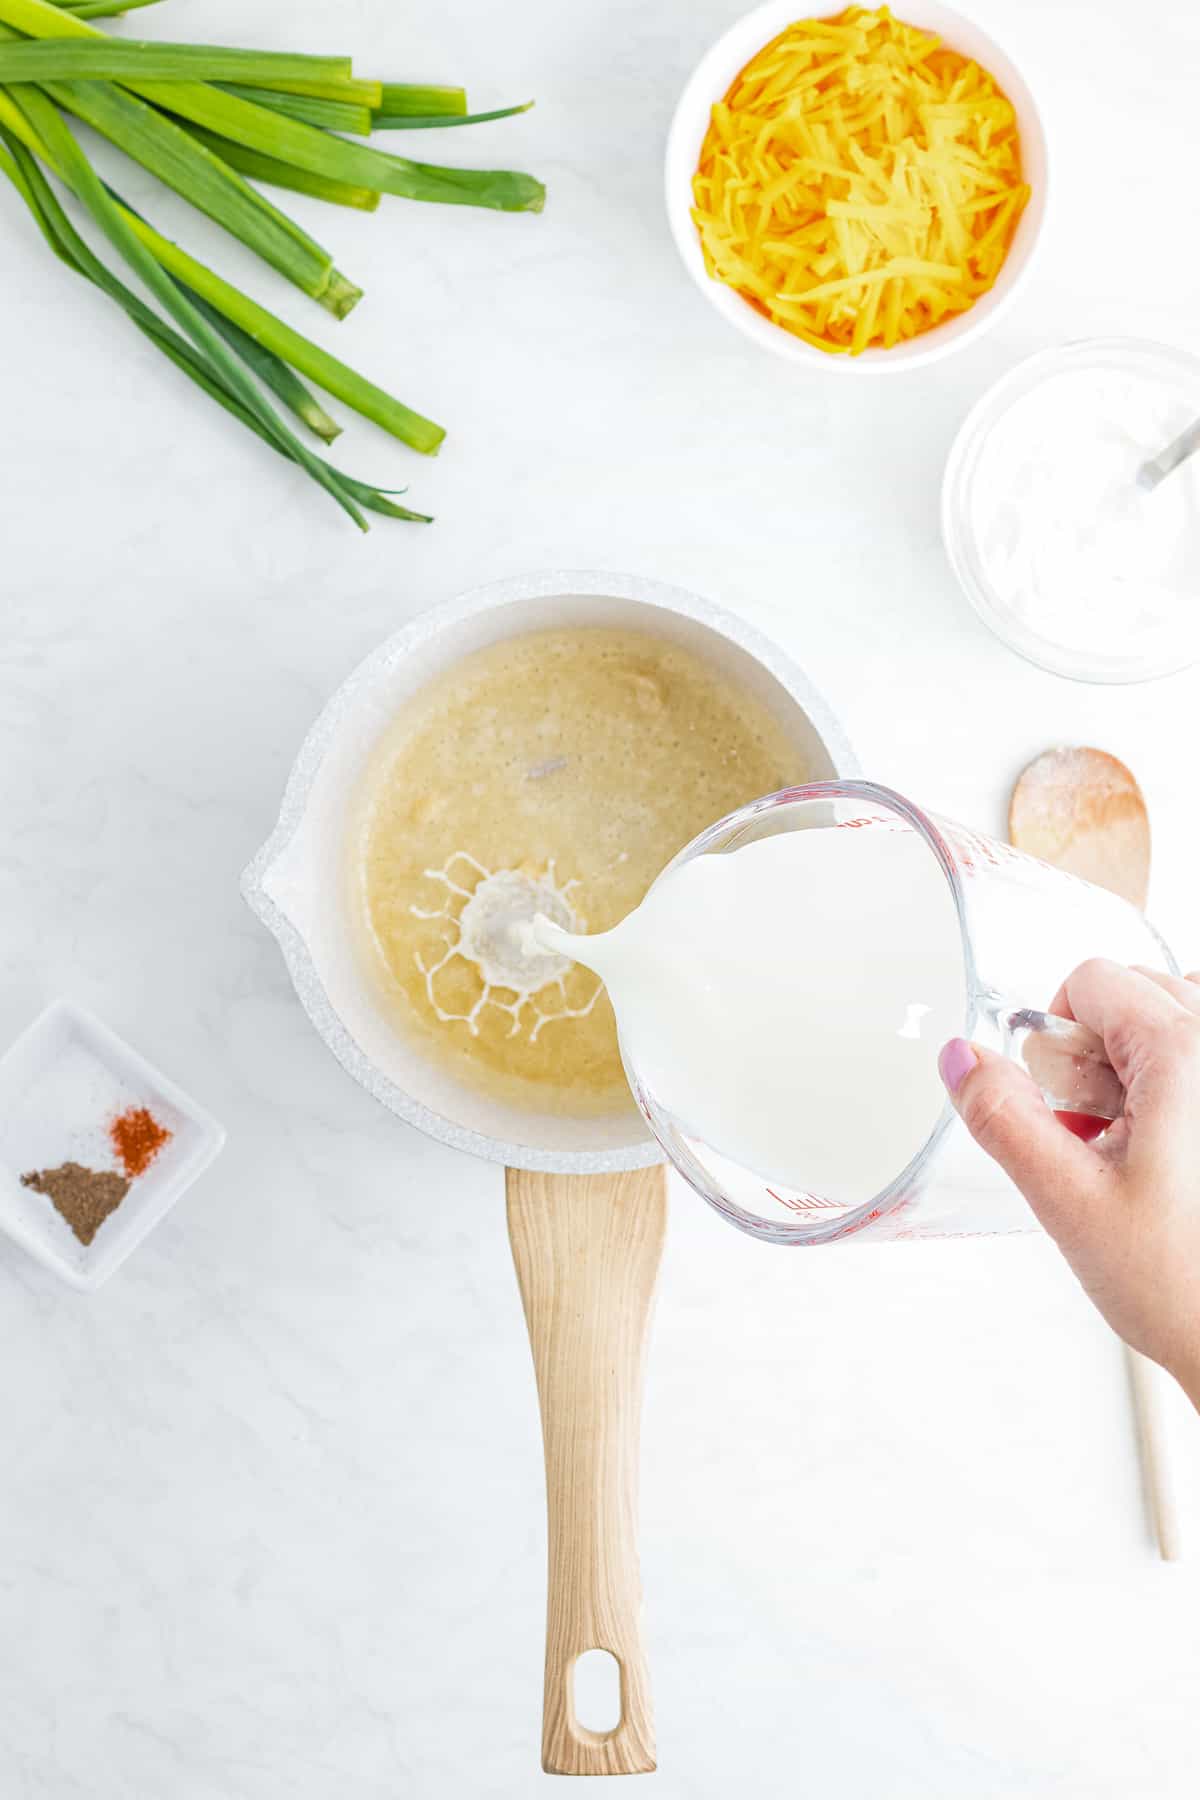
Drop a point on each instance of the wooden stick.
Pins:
(1144, 1381)
(587, 1250)
(1082, 810)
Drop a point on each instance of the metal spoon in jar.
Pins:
(1157, 468)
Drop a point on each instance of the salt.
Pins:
(62, 1111)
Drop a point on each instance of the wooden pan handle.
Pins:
(587, 1250)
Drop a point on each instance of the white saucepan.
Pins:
(586, 1197)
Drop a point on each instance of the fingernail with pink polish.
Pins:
(955, 1063)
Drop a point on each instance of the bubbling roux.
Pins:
(552, 773)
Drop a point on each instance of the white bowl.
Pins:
(60, 1084)
(710, 81)
(1160, 653)
(297, 884)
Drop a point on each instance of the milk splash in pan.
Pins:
(786, 1001)
(483, 923)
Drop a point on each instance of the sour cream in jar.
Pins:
(1060, 550)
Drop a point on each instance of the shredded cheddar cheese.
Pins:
(859, 183)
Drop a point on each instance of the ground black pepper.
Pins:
(84, 1197)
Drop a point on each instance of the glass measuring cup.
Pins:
(1022, 927)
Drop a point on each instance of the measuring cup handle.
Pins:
(1068, 1061)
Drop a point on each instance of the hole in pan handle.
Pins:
(597, 1691)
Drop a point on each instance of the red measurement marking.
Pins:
(861, 1224)
(805, 1202)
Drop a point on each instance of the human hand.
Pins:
(1124, 1209)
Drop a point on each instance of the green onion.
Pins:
(283, 175)
(329, 115)
(206, 121)
(23, 172)
(102, 9)
(406, 97)
(192, 169)
(14, 161)
(413, 122)
(307, 358)
(37, 19)
(289, 141)
(353, 92)
(272, 371)
(102, 58)
(502, 190)
(49, 124)
(335, 377)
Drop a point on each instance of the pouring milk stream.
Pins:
(786, 1001)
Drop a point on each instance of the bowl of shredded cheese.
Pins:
(862, 188)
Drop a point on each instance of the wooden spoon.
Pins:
(1083, 811)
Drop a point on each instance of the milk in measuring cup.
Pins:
(786, 1001)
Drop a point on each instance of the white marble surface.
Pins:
(270, 1513)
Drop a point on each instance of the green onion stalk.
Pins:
(291, 140)
(283, 175)
(210, 123)
(101, 9)
(21, 169)
(307, 358)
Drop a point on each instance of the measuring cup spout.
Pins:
(1067, 1060)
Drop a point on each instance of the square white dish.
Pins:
(61, 1083)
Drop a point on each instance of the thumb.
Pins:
(1005, 1113)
